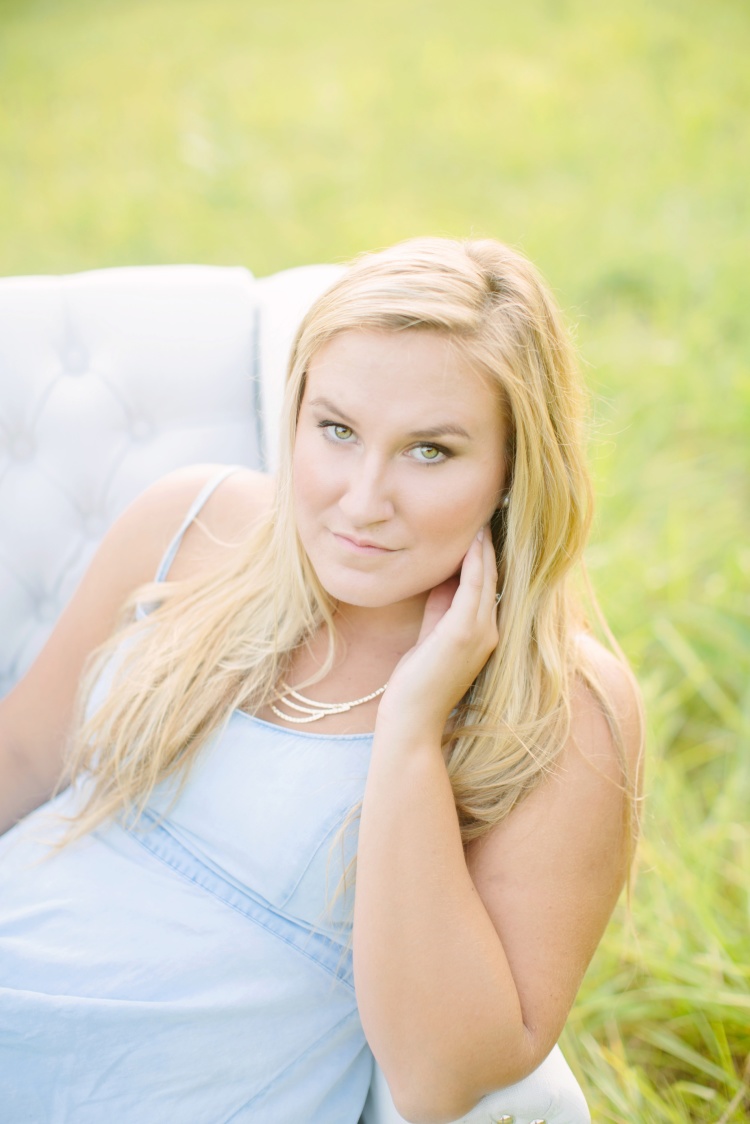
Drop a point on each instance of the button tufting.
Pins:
(94, 526)
(22, 447)
(141, 430)
(46, 609)
(75, 360)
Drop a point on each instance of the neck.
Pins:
(370, 642)
(392, 626)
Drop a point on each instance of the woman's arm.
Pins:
(466, 966)
(35, 717)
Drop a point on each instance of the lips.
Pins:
(362, 544)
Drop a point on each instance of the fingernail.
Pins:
(480, 534)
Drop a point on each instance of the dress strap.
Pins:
(207, 490)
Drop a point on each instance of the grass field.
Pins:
(611, 143)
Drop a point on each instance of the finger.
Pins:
(438, 603)
(471, 582)
(488, 599)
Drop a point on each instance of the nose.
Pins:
(366, 497)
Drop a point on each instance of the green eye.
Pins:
(336, 432)
(429, 454)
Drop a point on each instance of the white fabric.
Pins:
(550, 1095)
(108, 380)
(282, 301)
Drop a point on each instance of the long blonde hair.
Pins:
(220, 642)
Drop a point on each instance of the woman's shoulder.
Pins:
(224, 503)
(606, 707)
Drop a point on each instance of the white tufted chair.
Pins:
(110, 379)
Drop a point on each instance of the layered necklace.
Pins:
(311, 711)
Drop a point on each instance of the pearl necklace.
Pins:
(314, 710)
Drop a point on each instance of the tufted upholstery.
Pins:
(107, 381)
(110, 379)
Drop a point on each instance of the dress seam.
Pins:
(242, 913)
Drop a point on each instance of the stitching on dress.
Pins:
(224, 899)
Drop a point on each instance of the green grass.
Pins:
(610, 142)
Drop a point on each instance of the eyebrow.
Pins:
(444, 429)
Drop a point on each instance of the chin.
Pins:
(362, 595)
(369, 591)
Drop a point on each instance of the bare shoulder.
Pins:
(223, 521)
(595, 775)
(234, 503)
(126, 559)
(606, 695)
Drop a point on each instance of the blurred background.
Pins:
(610, 143)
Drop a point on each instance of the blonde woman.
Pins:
(379, 657)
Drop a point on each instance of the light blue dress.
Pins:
(189, 969)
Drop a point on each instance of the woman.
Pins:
(379, 656)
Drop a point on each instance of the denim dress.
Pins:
(194, 966)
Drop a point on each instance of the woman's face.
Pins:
(399, 459)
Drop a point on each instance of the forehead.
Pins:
(413, 368)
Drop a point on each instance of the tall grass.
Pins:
(611, 143)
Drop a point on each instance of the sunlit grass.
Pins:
(611, 143)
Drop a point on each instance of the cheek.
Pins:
(458, 511)
(312, 482)
(445, 532)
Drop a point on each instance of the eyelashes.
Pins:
(339, 434)
(332, 431)
(442, 454)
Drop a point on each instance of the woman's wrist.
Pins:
(404, 727)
